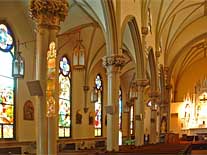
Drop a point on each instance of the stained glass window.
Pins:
(64, 122)
(132, 120)
(98, 106)
(120, 116)
(7, 84)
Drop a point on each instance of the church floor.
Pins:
(199, 152)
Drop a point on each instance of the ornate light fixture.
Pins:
(94, 95)
(79, 55)
(18, 64)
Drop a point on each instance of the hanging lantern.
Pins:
(18, 65)
(79, 55)
(94, 95)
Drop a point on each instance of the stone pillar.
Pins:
(153, 130)
(139, 112)
(167, 96)
(113, 65)
(47, 16)
(144, 31)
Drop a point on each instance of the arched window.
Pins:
(98, 106)
(131, 120)
(7, 83)
(65, 88)
(120, 116)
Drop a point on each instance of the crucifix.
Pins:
(203, 99)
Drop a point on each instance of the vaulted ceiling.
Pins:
(178, 28)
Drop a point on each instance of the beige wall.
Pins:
(177, 109)
(189, 78)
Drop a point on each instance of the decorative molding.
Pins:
(154, 94)
(49, 12)
(114, 60)
(142, 82)
(144, 30)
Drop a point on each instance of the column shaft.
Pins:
(113, 119)
(139, 112)
(113, 64)
(41, 133)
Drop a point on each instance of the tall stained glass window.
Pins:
(132, 120)
(120, 116)
(64, 122)
(7, 83)
(98, 106)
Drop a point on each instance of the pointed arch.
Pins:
(153, 71)
(111, 27)
(135, 34)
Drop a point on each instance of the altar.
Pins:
(194, 131)
(194, 113)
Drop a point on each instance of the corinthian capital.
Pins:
(48, 11)
(140, 84)
(114, 60)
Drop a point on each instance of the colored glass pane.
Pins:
(8, 131)
(120, 117)
(64, 66)
(64, 121)
(98, 107)
(132, 120)
(6, 40)
(6, 83)
(120, 109)
(98, 82)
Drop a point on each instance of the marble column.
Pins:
(47, 16)
(113, 65)
(139, 112)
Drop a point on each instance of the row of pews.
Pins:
(153, 149)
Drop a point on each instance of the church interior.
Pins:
(84, 75)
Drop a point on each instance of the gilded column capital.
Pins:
(142, 82)
(114, 60)
(154, 94)
(48, 12)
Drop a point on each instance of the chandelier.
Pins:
(79, 54)
(18, 64)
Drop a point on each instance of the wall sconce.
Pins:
(18, 64)
(79, 55)
(94, 95)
